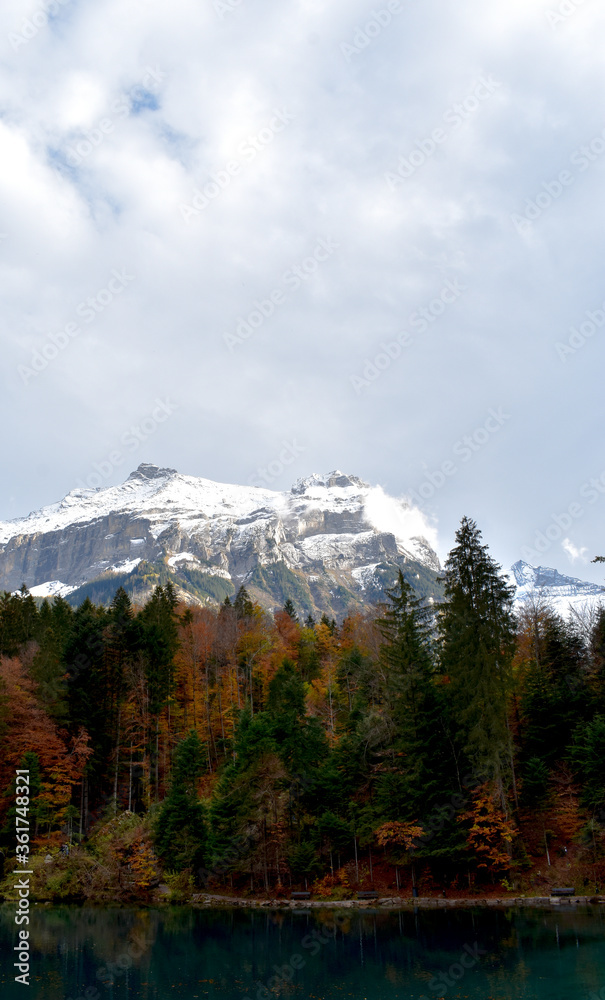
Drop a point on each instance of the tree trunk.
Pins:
(265, 854)
(157, 758)
(117, 768)
(81, 808)
(130, 781)
(86, 805)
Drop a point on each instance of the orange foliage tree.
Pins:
(490, 833)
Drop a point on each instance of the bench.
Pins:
(367, 895)
(563, 892)
(300, 895)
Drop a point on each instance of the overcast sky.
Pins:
(403, 203)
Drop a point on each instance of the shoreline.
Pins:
(209, 900)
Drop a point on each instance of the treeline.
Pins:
(440, 744)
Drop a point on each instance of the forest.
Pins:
(447, 748)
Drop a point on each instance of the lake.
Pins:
(183, 953)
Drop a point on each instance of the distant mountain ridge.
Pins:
(561, 592)
(329, 544)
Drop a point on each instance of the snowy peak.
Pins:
(147, 471)
(331, 541)
(330, 481)
(561, 592)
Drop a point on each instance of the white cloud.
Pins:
(66, 228)
(397, 518)
(574, 552)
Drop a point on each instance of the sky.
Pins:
(255, 239)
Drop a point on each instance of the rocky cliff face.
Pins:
(330, 543)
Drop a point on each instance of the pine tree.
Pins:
(89, 695)
(421, 770)
(242, 604)
(554, 692)
(181, 832)
(290, 610)
(477, 629)
(330, 623)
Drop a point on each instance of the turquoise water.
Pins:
(114, 954)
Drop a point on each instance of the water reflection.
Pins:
(371, 955)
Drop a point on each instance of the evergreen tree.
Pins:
(48, 670)
(18, 620)
(63, 617)
(421, 770)
(330, 623)
(158, 637)
(181, 833)
(477, 629)
(588, 753)
(554, 691)
(243, 605)
(290, 610)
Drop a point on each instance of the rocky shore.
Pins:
(203, 899)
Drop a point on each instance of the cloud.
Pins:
(573, 552)
(397, 518)
(68, 224)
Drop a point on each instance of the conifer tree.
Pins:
(290, 610)
(421, 771)
(477, 629)
(181, 832)
(243, 605)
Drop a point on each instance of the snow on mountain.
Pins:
(562, 593)
(52, 588)
(321, 530)
(162, 495)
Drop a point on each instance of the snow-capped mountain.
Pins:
(562, 593)
(329, 543)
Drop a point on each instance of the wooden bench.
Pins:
(563, 892)
(300, 895)
(367, 895)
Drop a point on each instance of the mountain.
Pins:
(562, 593)
(331, 543)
